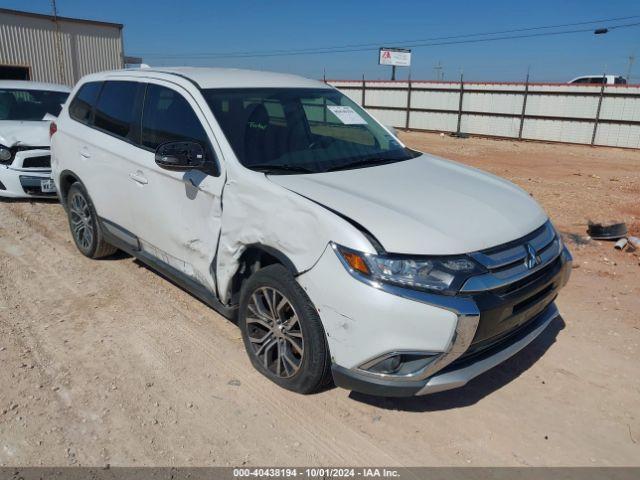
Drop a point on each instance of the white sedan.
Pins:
(26, 111)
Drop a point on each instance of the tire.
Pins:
(305, 369)
(84, 225)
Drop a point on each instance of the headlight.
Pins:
(5, 154)
(438, 274)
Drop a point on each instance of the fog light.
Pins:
(388, 365)
(400, 364)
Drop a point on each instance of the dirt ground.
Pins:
(105, 362)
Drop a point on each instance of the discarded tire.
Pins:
(611, 231)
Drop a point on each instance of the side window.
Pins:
(117, 108)
(168, 117)
(84, 101)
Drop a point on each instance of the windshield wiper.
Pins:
(366, 162)
(270, 168)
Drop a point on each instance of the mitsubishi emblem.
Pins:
(532, 259)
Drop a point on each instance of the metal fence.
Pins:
(585, 114)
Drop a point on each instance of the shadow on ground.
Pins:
(29, 200)
(479, 387)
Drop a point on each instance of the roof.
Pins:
(65, 19)
(27, 85)
(206, 77)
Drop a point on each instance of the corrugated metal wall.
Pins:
(554, 112)
(32, 41)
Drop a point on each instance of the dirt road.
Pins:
(105, 362)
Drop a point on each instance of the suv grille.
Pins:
(513, 292)
(509, 265)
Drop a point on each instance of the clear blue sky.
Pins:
(159, 27)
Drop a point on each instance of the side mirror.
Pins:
(180, 156)
(393, 130)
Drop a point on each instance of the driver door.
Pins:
(177, 214)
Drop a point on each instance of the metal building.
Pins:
(57, 49)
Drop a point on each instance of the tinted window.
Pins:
(621, 81)
(168, 117)
(116, 111)
(84, 101)
(30, 105)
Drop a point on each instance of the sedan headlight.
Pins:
(443, 275)
(5, 154)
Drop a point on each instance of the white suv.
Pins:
(280, 202)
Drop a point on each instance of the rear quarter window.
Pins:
(81, 106)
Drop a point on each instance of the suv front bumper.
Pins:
(466, 334)
(453, 376)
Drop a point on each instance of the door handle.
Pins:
(84, 153)
(139, 177)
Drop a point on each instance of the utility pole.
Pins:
(632, 59)
(438, 71)
(59, 52)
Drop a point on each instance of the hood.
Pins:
(28, 133)
(424, 206)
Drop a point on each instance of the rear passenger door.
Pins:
(106, 151)
(177, 214)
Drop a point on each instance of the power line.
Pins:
(405, 43)
(415, 45)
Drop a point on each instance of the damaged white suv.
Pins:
(277, 200)
(26, 109)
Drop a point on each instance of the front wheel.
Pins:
(282, 332)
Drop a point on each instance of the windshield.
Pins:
(296, 130)
(30, 104)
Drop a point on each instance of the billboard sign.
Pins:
(398, 57)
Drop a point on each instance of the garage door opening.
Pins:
(13, 72)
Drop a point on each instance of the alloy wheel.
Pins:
(81, 221)
(274, 332)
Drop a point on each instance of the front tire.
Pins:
(282, 332)
(84, 225)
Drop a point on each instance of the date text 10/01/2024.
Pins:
(316, 472)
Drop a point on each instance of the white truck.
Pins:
(599, 80)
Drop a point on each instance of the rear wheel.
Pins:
(282, 331)
(83, 221)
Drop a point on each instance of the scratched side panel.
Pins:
(256, 210)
